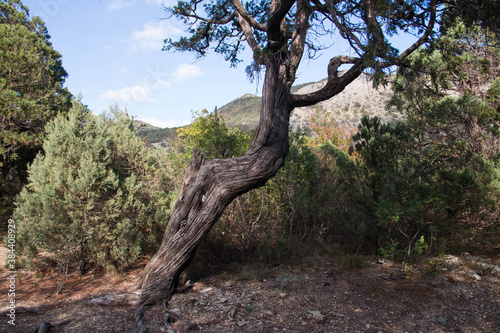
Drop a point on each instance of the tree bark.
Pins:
(209, 187)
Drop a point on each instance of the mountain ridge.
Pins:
(346, 108)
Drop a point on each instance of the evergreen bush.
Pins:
(96, 197)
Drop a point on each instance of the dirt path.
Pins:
(452, 294)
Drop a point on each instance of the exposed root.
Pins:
(139, 315)
(47, 327)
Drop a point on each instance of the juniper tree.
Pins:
(96, 197)
(450, 96)
(31, 93)
(279, 34)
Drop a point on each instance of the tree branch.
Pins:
(344, 31)
(372, 24)
(247, 31)
(335, 83)
(244, 14)
(278, 13)
(425, 36)
(299, 36)
(191, 13)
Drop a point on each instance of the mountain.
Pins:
(151, 134)
(358, 99)
(242, 113)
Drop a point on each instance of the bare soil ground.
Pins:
(448, 294)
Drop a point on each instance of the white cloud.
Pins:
(119, 4)
(186, 71)
(163, 124)
(151, 37)
(130, 94)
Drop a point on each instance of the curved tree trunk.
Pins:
(210, 186)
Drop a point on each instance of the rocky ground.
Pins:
(441, 294)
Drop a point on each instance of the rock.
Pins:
(206, 290)
(474, 275)
(316, 315)
(232, 312)
(456, 278)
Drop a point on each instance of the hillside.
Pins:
(347, 108)
(242, 113)
(151, 134)
(358, 99)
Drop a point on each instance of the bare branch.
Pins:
(344, 31)
(247, 31)
(278, 13)
(335, 83)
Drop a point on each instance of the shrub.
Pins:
(96, 197)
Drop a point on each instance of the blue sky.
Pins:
(111, 50)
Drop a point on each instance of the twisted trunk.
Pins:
(210, 185)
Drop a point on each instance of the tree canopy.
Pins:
(31, 80)
(296, 28)
(31, 93)
(96, 195)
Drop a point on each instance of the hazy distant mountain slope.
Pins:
(143, 127)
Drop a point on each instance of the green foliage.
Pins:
(209, 134)
(265, 220)
(451, 176)
(96, 197)
(31, 81)
(483, 13)
(31, 94)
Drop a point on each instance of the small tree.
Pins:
(209, 134)
(96, 197)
